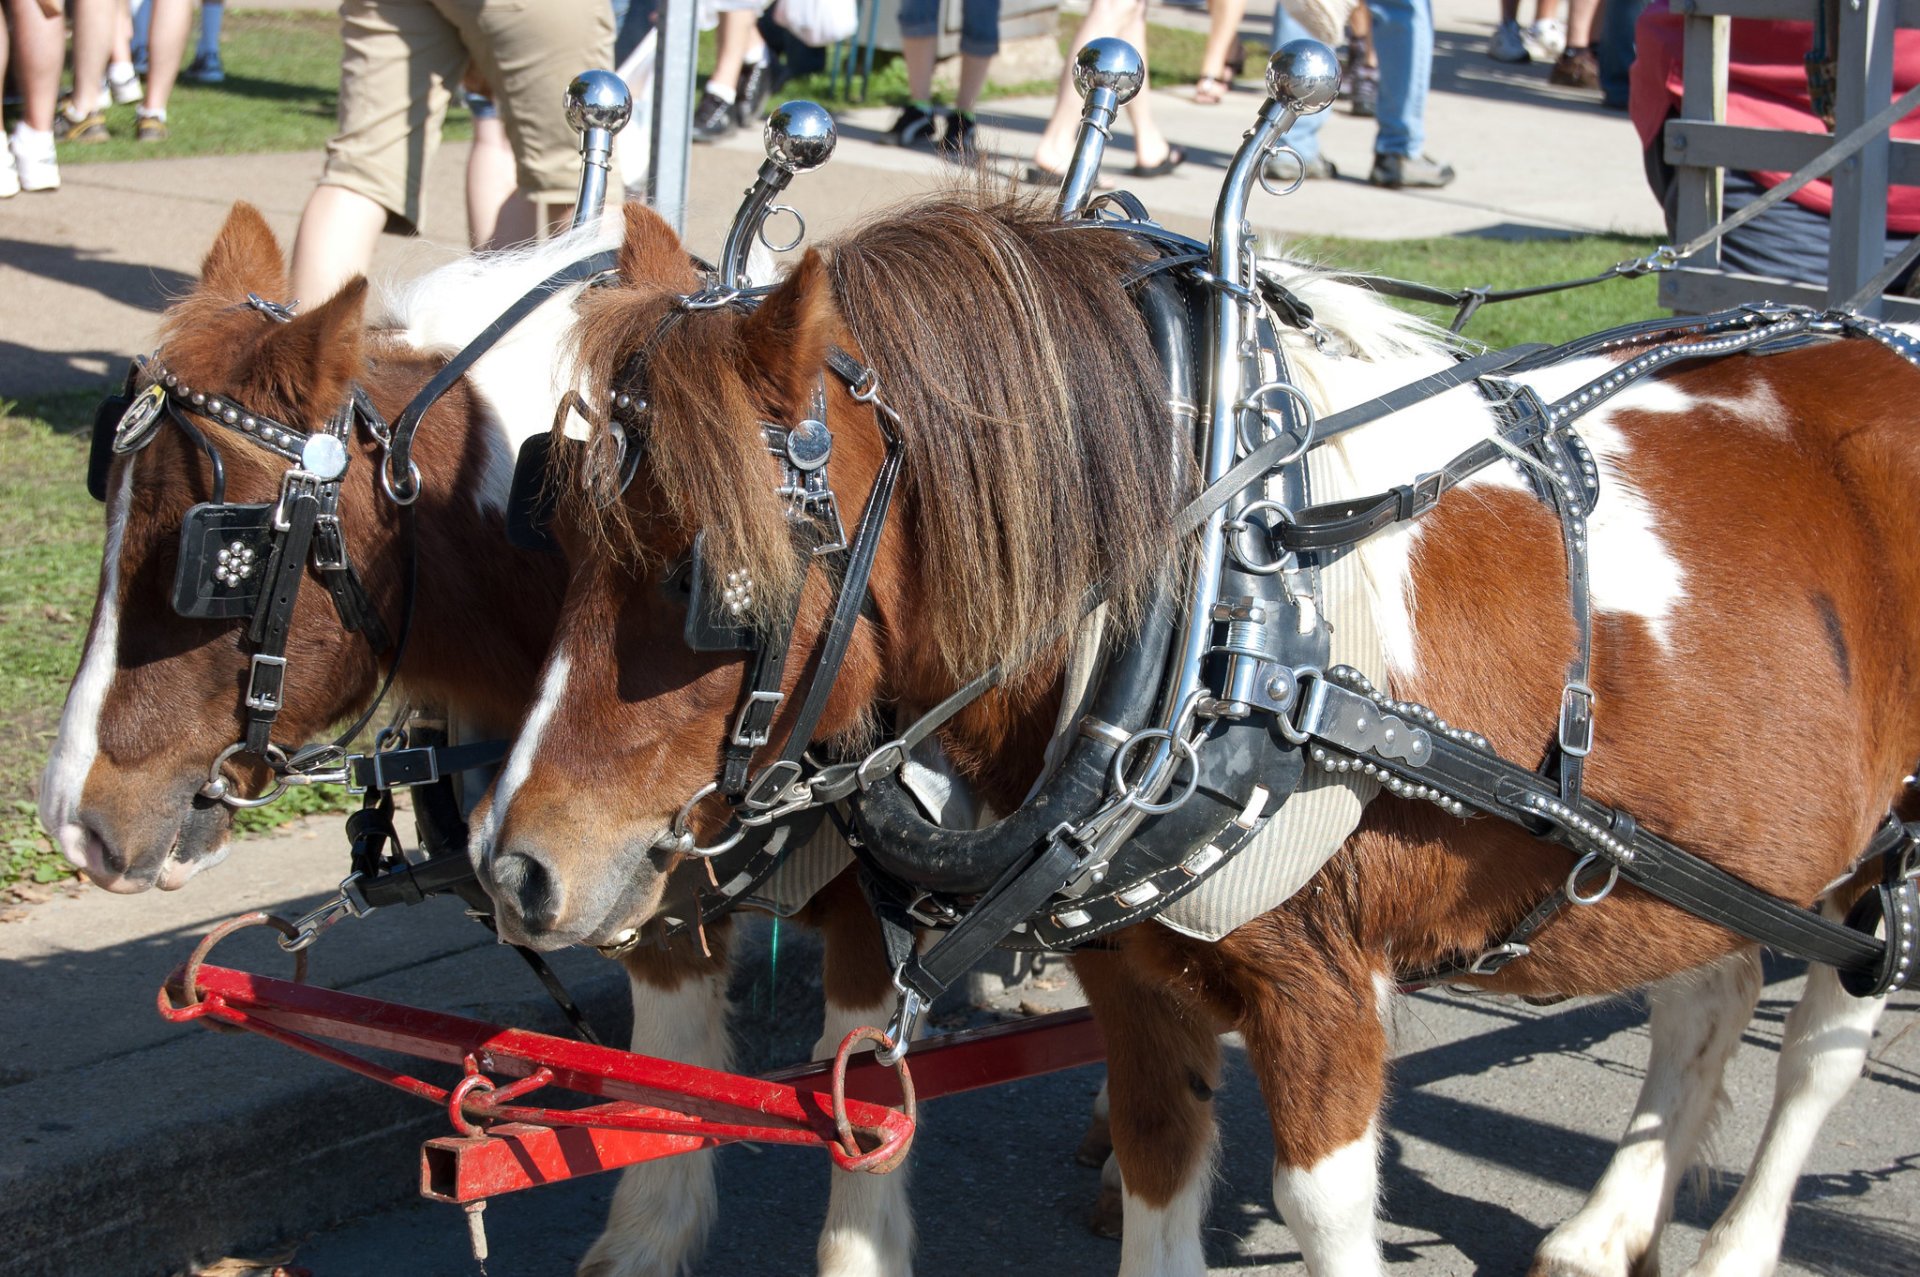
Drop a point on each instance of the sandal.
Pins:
(1176, 156)
(1211, 90)
(1236, 59)
(1039, 175)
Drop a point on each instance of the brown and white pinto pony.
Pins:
(157, 697)
(1757, 597)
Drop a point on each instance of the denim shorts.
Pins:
(979, 24)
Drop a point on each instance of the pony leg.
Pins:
(1096, 1146)
(1824, 1048)
(1163, 1064)
(662, 1210)
(1695, 1026)
(1321, 1056)
(869, 1226)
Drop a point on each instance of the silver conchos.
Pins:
(809, 444)
(136, 424)
(324, 457)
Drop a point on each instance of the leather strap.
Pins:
(1019, 893)
(266, 673)
(400, 446)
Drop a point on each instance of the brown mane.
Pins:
(1037, 465)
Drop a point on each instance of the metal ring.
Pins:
(1274, 152)
(1253, 401)
(217, 789)
(712, 299)
(1283, 724)
(1130, 794)
(190, 978)
(800, 231)
(1234, 527)
(386, 481)
(457, 1097)
(885, 1157)
(680, 833)
(1580, 867)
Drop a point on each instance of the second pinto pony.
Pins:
(1752, 564)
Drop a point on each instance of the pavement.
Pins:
(144, 1148)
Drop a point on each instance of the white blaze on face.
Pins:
(78, 742)
(525, 746)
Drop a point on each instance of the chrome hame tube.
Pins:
(1107, 73)
(598, 106)
(799, 137)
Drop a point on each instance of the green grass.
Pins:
(1466, 262)
(50, 533)
(281, 94)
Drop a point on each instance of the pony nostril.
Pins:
(530, 887)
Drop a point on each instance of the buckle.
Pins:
(1497, 957)
(771, 785)
(266, 675)
(1576, 720)
(745, 734)
(405, 768)
(329, 546)
(1421, 495)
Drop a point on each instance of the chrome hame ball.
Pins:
(1303, 75)
(1108, 63)
(598, 100)
(800, 136)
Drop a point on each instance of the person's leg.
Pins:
(169, 23)
(1123, 18)
(123, 82)
(92, 44)
(1506, 44)
(738, 36)
(142, 13)
(919, 33)
(973, 79)
(1304, 136)
(213, 14)
(1151, 150)
(1577, 67)
(1615, 54)
(39, 47)
(338, 231)
(490, 178)
(979, 42)
(1403, 35)
(9, 171)
(523, 53)
(1223, 25)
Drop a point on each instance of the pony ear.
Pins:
(245, 258)
(311, 360)
(651, 254)
(786, 338)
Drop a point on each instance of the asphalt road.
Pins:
(1503, 1116)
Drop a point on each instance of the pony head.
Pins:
(157, 698)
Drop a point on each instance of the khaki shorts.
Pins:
(404, 58)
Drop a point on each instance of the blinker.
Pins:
(106, 421)
(224, 554)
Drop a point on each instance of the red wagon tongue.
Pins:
(649, 1108)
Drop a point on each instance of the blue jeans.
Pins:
(979, 24)
(1403, 37)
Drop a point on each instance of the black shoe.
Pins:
(958, 139)
(712, 118)
(915, 127)
(1396, 171)
(756, 86)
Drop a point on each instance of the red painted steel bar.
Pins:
(661, 1108)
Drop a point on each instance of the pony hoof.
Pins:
(1108, 1211)
(1095, 1146)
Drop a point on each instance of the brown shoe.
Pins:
(86, 128)
(151, 128)
(1576, 69)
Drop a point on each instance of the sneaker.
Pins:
(1507, 45)
(150, 128)
(914, 127)
(1365, 99)
(959, 139)
(756, 86)
(1576, 69)
(206, 69)
(1283, 169)
(125, 90)
(712, 118)
(9, 175)
(86, 128)
(1549, 36)
(1396, 171)
(34, 159)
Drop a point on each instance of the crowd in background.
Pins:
(507, 56)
